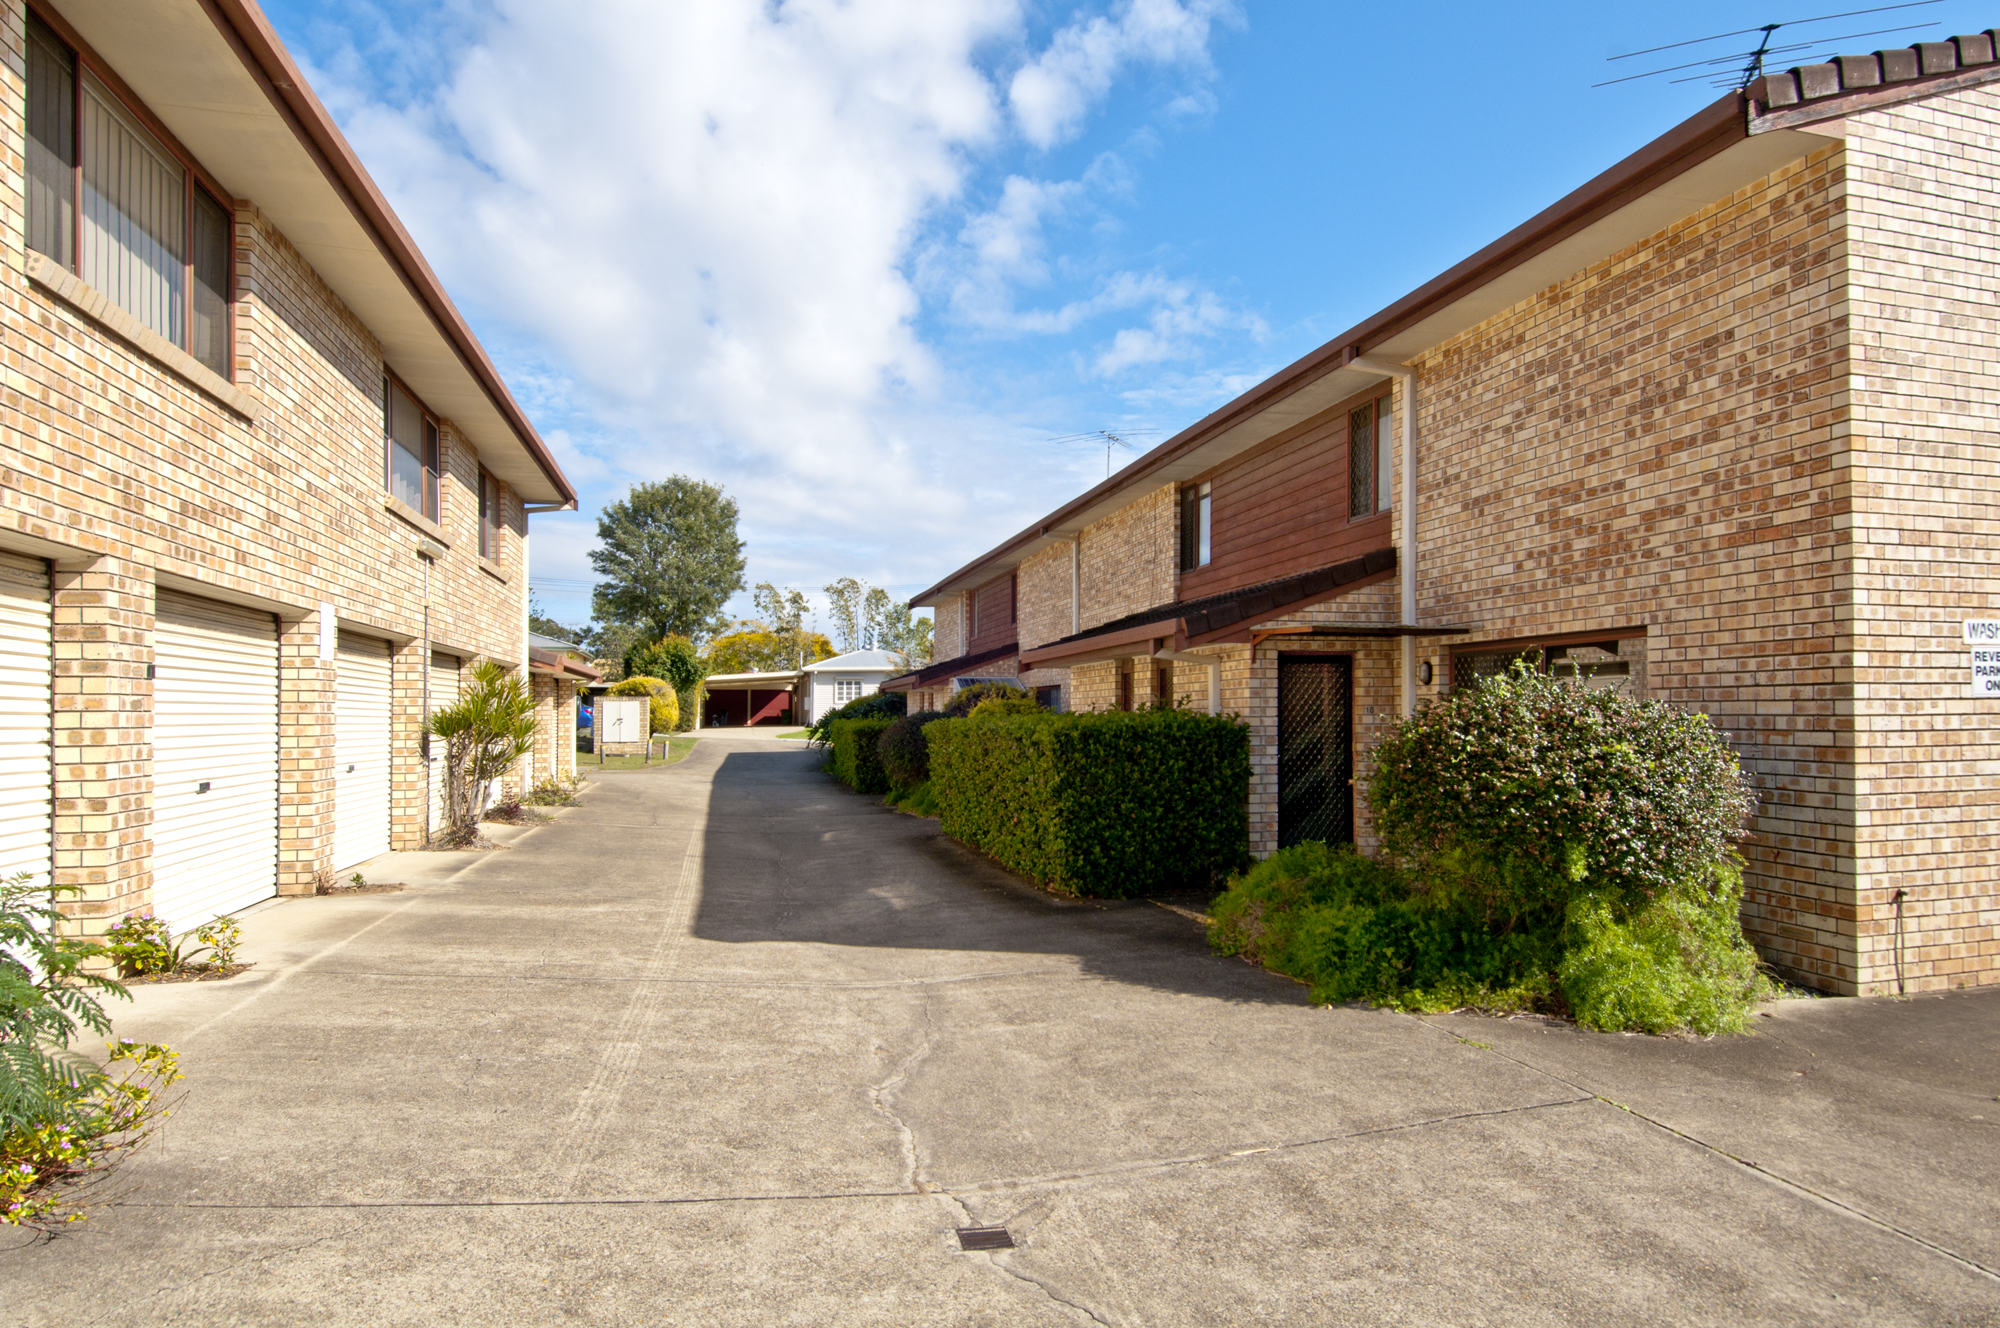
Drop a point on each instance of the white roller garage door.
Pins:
(361, 744)
(25, 716)
(444, 692)
(215, 759)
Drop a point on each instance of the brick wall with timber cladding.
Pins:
(1282, 508)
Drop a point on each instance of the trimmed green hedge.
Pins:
(1106, 804)
(856, 761)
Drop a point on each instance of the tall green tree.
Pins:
(669, 557)
(784, 616)
(844, 599)
(907, 636)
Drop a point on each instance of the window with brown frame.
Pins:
(489, 516)
(113, 202)
(1197, 508)
(410, 450)
(1370, 437)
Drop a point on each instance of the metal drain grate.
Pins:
(984, 1238)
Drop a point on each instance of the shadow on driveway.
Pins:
(791, 855)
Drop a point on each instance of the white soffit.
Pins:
(180, 64)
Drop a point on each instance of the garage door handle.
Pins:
(202, 787)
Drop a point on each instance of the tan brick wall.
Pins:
(948, 623)
(1044, 592)
(103, 721)
(1130, 558)
(1662, 440)
(1921, 198)
(122, 471)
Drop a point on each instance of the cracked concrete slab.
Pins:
(727, 1044)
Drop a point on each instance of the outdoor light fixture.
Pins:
(1424, 673)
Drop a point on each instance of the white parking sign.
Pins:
(1986, 671)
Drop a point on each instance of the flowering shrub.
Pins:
(49, 1167)
(63, 1119)
(144, 947)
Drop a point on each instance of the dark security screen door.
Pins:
(1315, 749)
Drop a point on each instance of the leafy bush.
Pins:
(856, 761)
(905, 756)
(1354, 929)
(875, 705)
(1108, 804)
(63, 1120)
(1556, 848)
(994, 706)
(663, 711)
(673, 658)
(965, 698)
(1532, 783)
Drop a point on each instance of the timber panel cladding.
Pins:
(1925, 265)
(992, 608)
(1660, 439)
(1282, 508)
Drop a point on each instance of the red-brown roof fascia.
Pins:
(560, 665)
(1708, 132)
(257, 44)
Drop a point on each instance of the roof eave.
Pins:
(1712, 130)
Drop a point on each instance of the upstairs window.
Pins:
(410, 442)
(112, 202)
(1195, 507)
(1371, 434)
(489, 517)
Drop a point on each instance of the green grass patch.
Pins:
(917, 800)
(666, 752)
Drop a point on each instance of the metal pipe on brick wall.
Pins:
(1406, 515)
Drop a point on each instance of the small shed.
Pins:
(738, 700)
(832, 683)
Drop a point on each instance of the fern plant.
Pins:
(46, 999)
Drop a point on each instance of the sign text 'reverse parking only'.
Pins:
(1983, 635)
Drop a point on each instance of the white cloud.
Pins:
(1051, 94)
(698, 228)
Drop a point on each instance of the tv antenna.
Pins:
(1110, 438)
(1739, 69)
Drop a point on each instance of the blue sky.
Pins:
(859, 261)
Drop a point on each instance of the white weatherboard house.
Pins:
(832, 683)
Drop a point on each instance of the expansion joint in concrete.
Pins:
(1761, 1172)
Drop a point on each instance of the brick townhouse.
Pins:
(263, 498)
(1718, 427)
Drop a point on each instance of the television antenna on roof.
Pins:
(1110, 438)
(1739, 69)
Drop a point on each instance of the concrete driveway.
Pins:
(730, 1045)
